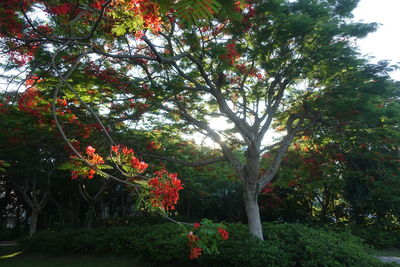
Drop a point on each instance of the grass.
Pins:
(41, 260)
(9, 250)
(394, 252)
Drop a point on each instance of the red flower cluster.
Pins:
(93, 158)
(164, 190)
(267, 189)
(223, 233)
(97, 4)
(128, 157)
(62, 9)
(232, 54)
(249, 71)
(90, 150)
(141, 166)
(195, 251)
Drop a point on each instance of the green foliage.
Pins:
(3, 165)
(377, 236)
(243, 250)
(128, 23)
(313, 247)
(209, 236)
(284, 245)
(165, 243)
(192, 12)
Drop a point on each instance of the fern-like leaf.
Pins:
(192, 12)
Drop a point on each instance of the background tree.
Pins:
(346, 167)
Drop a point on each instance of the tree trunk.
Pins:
(90, 214)
(33, 222)
(250, 177)
(253, 213)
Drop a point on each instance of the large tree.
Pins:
(240, 66)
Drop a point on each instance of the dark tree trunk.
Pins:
(33, 222)
(90, 215)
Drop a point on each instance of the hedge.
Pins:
(284, 245)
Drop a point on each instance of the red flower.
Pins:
(164, 190)
(196, 225)
(91, 173)
(267, 189)
(62, 9)
(62, 102)
(90, 150)
(194, 253)
(141, 166)
(232, 55)
(74, 174)
(126, 151)
(115, 149)
(96, 159)
(224, 234)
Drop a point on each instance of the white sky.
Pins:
(385, 42)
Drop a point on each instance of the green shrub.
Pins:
(165, 243)
(314, 247)
(243, 250)
(284, 245)
(378, 237)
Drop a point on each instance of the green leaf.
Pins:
(66, 166)
(104, 167)
(194, 12)
(118, 29)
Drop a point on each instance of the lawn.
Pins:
(40, 260)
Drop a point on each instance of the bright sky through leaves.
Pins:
(385, 42)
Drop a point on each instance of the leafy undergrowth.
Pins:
(162, 244)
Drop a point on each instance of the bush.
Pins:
(284, 245)
(377, 236)
(315, 247)
(243, 250)
(112, 240)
